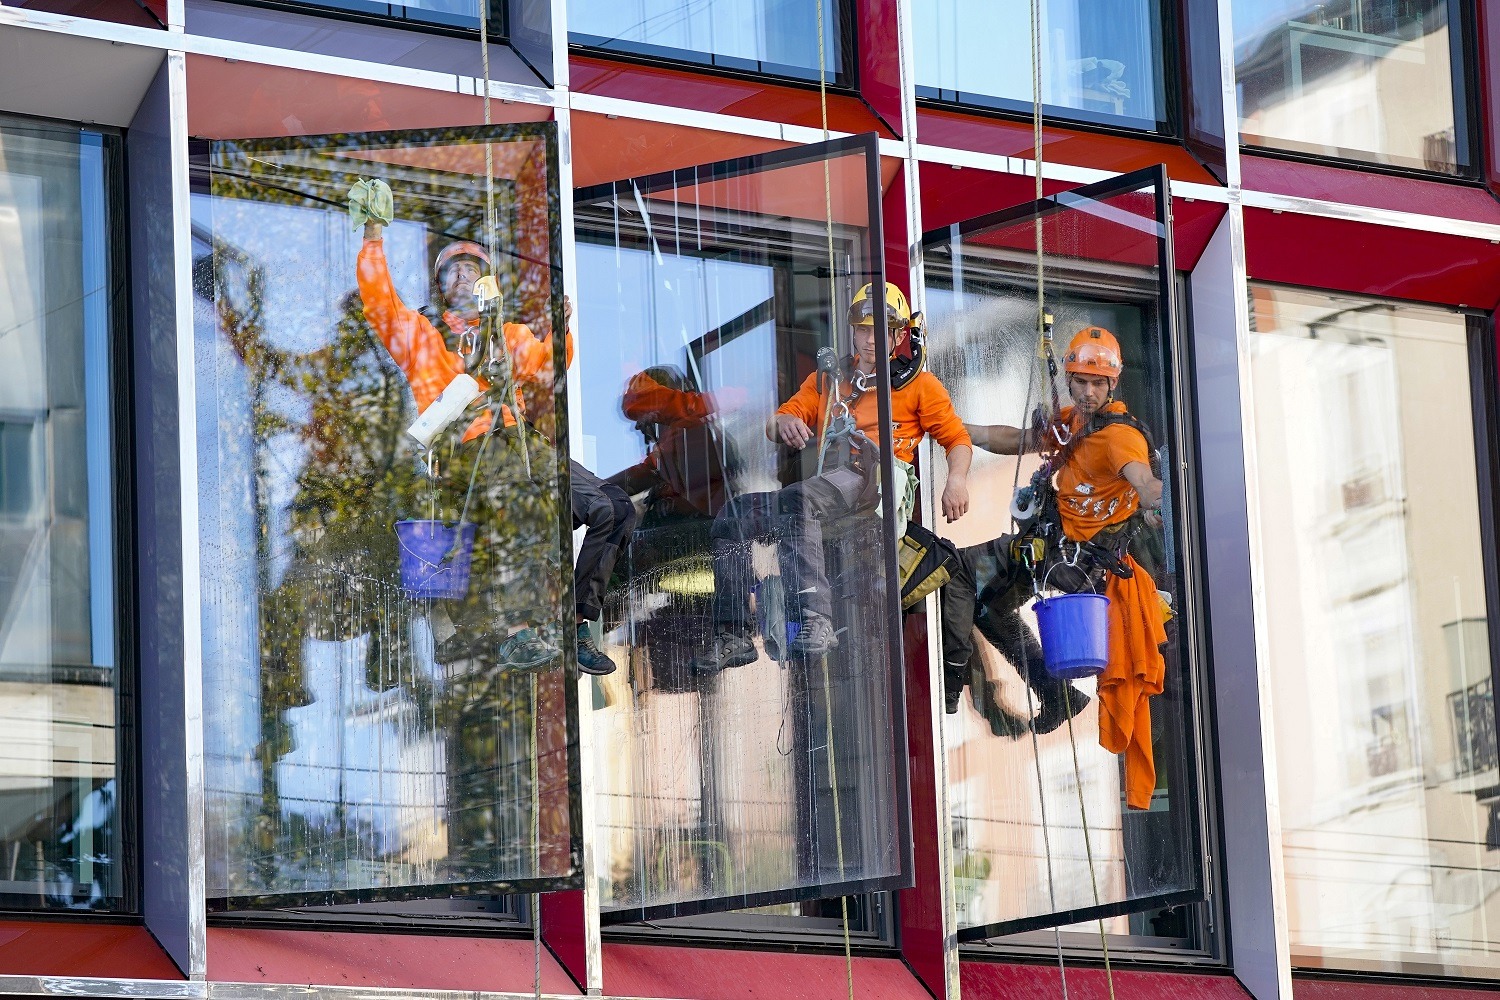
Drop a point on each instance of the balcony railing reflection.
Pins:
(1473, 714)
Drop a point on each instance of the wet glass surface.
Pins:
(735, 775)
(62, 811)
(385, 626)
(1050, 825)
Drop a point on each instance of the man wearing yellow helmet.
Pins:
(1096, 485)
(794, 515)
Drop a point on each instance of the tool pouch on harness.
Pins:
(851, 465)
(925, 562)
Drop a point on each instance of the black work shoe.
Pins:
(527, 651)
(727, 649)
(1058, 704)
(592, 659)
(951, 698)
(814, 638)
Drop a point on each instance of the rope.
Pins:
(1088, 848)
(491, 225)
(536, 849)
(838, 821)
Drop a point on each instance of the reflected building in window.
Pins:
(1374, 80)
(1379, 652)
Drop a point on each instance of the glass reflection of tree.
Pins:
(340, 585)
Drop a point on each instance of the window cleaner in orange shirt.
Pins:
(513, 501)
(1079, 516)
(794, 515)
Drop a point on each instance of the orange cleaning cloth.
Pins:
(1135, 673)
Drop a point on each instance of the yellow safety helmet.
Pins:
(897, 309)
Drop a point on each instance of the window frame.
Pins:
(115, 232)
(1465, 84)
(1169, 125)
(738, 929)
(201, 165)
(1193, 625)
(867, 144)
(844, 80)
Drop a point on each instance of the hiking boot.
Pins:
(592, 659)
(527, 651)
(814, 638)
(727, 649)
(1058, 704)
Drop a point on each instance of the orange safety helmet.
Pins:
(461, 248)
(1094, 351)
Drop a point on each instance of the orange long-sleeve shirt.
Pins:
(919, 408)
(420, 351)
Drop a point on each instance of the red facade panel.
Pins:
(721, 95)
(1358, 187)
(51, 948)
(993, 981)
(1363, 259)
(391, 961)
(719, 974)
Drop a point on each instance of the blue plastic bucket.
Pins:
(1075, 634)
(435, 558)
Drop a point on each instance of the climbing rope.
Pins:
(838, 825)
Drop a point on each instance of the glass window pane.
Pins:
(386, 708)
(1373, 80)
(1101, 59)
(762, 36)
(1379, 641)
(61, 808)
(1041, 836)
(753, 769)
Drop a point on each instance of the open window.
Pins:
(1043, 834)
(708, 297)
(383, 718)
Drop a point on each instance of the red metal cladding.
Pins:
(391, 961)
(951, 196)
(1100, 151)
(1333, 989)
(562, 929)
(147, 14)
(1488, 12)
(921, 905)
(52, 948)
(721, 95)
(1365, 259)
(879, 59)
(994, 981)
(1359, 187)
(632, 970)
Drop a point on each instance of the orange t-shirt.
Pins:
(1092, 491)
(420, 351)
(919, 408)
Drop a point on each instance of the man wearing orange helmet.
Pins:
(847, 485)
(1094, 493)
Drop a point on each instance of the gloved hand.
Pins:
(370, 200)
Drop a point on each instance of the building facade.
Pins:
(252, 745)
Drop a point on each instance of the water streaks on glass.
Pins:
(736, 772)
(1028, 826)
(385, 625)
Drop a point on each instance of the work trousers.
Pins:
(606, 511)
(792, 518)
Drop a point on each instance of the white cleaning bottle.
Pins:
(444, 410)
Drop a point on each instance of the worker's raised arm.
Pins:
(1001, 439)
